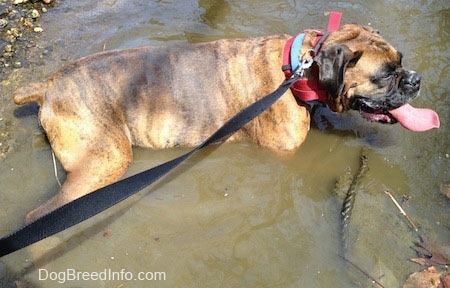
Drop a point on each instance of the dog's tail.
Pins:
(33, 92)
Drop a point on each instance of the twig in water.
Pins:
(55, 170)
(362, 271)
(349, 200)
(402, 211)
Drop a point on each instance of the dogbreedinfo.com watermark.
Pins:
(105, 275)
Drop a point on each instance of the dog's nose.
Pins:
(411, 81)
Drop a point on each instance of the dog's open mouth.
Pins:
(414, 119)
(382, 117)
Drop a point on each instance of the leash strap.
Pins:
(95, 202)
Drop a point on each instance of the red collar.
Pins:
(309, 89)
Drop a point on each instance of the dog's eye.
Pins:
(381, 77)
(382, 80)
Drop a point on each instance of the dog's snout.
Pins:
(411, 81)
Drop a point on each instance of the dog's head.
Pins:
(361, 71)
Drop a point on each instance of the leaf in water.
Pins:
(445, 189)
(428, 278)
(431, 254)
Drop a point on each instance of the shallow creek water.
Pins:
(236, 215)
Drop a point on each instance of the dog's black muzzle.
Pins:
(404, 86)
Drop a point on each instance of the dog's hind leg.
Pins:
(93, 167)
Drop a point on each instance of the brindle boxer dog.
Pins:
(95, 109)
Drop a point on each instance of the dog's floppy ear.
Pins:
(333, 60)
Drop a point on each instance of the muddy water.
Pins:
(236, 215)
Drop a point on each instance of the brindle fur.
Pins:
(95, 109)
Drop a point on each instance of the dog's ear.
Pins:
(332, 61)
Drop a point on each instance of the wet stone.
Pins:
(19, 25)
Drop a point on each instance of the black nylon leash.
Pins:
(95, 202)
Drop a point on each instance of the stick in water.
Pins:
(362, 271)
(402, 211)
(55, 169)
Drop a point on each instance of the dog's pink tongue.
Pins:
(416, 119)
